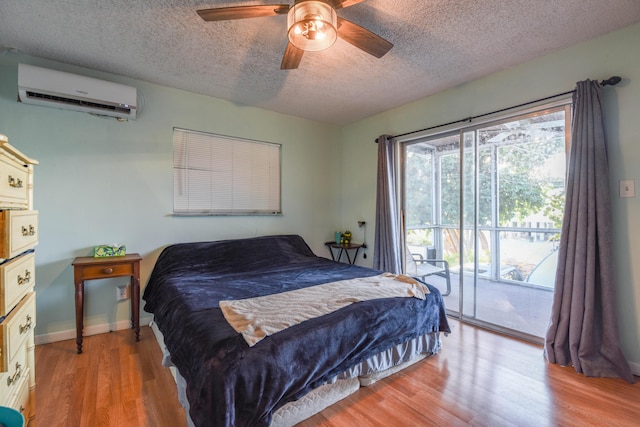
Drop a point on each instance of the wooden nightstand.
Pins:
(90, 268)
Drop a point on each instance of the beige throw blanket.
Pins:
(257, 318)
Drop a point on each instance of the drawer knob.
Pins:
(24, 328)
(16, 375)
(15, 183)
(25, 279)
(28, 231)
(107, 270)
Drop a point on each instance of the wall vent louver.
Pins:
(79, 102)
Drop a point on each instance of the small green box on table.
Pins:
(109, 250)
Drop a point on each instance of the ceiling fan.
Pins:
(312, 25)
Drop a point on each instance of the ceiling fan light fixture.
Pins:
(312, 25)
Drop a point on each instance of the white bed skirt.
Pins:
(344, 384)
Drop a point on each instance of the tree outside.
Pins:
(517, 171)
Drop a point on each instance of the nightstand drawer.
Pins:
(13, 183)
(17, 277)
(106, 271)
(18, 232)
(15, 329)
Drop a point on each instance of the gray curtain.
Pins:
(387, 253)
(583, 330)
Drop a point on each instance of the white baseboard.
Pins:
(70, 334)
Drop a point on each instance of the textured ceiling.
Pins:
(438, 44)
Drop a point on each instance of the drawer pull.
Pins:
(25, 279)
(107, 270)
(24, 328)
(28, 231)
(15, 183)
(22, 409)
(16, 375)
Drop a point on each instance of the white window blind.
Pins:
(221, 175)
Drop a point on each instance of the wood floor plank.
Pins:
(479, 379)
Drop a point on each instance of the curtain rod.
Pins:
(611, 81)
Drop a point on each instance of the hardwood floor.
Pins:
(479, 379)
(114, 382)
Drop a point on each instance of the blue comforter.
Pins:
(232, 384)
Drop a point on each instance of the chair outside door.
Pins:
(418, 266)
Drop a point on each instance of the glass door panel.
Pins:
(520, 177)
(490, 200)
(431, 203)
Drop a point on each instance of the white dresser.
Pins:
(18, 237)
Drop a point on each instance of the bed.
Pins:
(225, 381)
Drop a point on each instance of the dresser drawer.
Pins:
(13, 183)
(20, 401)
(13, 378)
(15, 329)
(18, 232)
(17, 277)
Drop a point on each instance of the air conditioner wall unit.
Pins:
(51, 88)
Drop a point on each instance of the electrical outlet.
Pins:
(122, 292)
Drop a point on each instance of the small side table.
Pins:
(344, 249)
(90, 268)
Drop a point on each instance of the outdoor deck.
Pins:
(515, 306)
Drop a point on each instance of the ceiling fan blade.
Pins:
(362, 38)
(292, 57)
(341, 4)
(241, 12)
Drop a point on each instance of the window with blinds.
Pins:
(222, 175)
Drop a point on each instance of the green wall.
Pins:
(101, 181)
(612, 54)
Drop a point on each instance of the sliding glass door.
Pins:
(489, 200)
